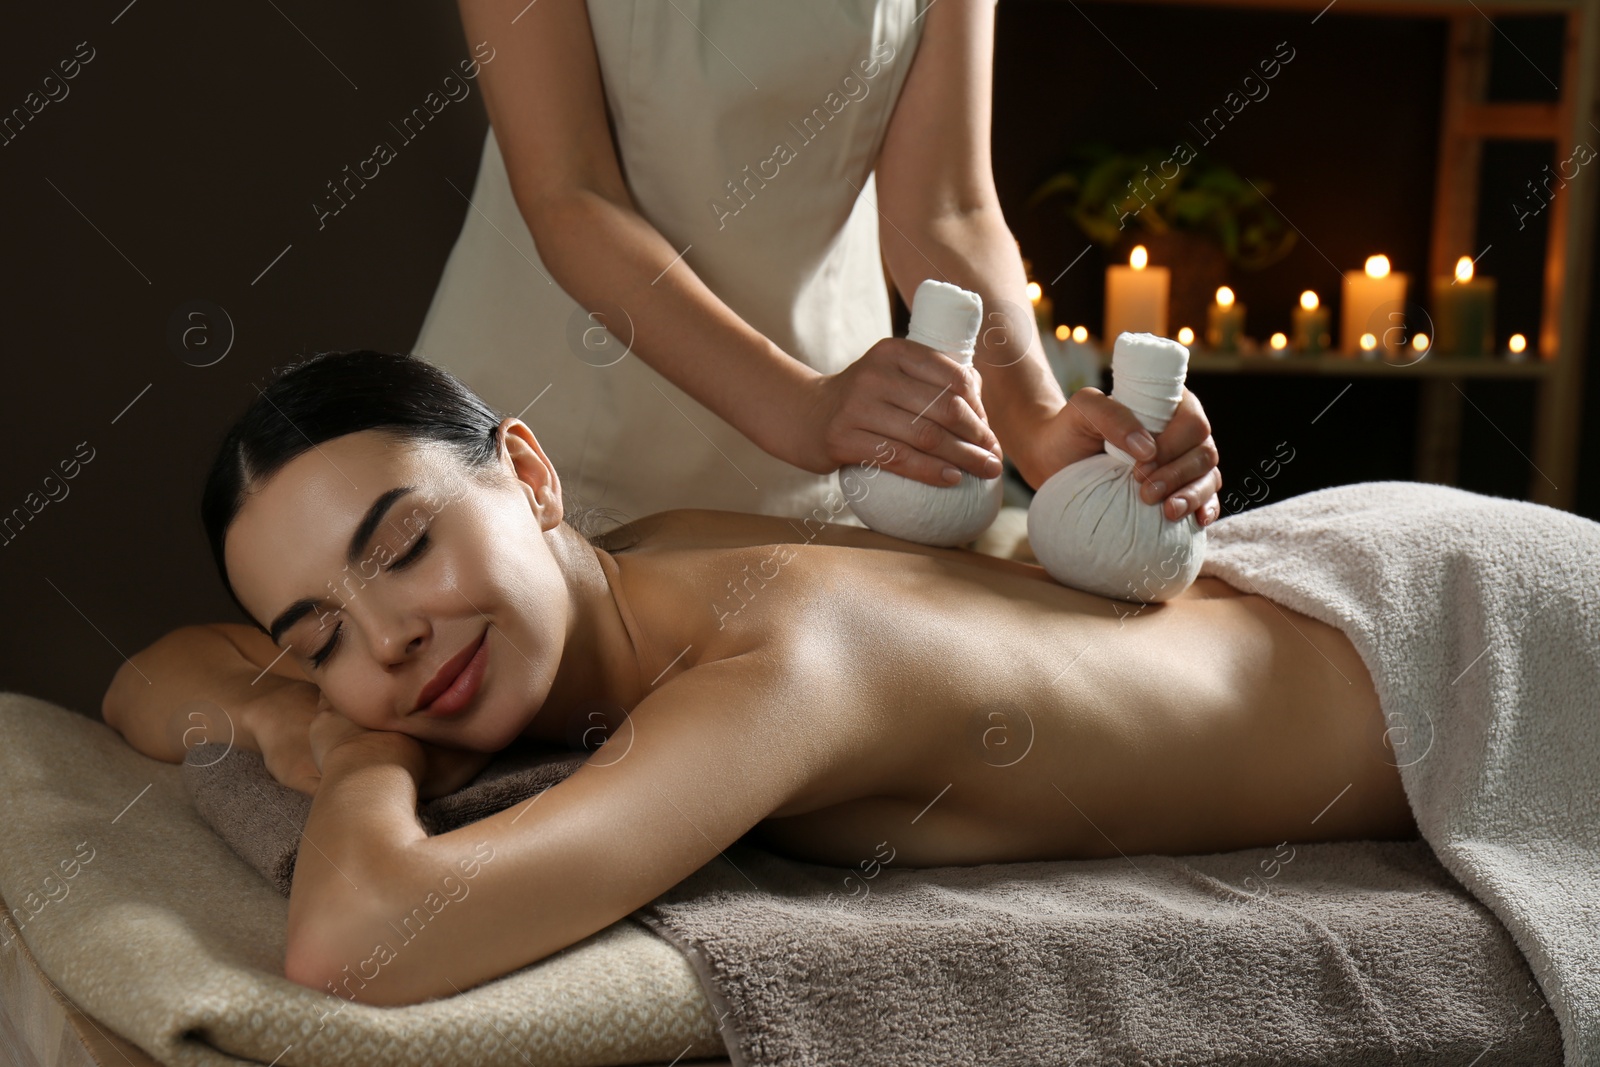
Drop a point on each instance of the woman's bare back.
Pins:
(968, 709)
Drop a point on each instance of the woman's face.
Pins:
(450, 561)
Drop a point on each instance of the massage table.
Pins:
(40, 1026)
(620, 996)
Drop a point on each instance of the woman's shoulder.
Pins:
(699, 528)
(705, 528)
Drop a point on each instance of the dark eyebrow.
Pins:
(358, 541)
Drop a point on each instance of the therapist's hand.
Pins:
(1179, 466)
(905, 407)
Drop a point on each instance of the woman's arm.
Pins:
(942, 218)
(382, 913)
(212, 682)
(229, 684)
(546, 103)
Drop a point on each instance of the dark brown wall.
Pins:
(190, 149)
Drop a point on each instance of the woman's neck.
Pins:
(604, 657)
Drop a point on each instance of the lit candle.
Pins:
(1224, 322)
(1463, 313)
(1043, 310)
(1186, 336)
(1310, 322)
(1075, 362)
(1374, 302)
(1279, 343)
(1369, 346)
(1136, 297)
(1517, 346)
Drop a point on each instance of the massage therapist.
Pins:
(673, 263)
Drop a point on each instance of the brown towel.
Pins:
(1336, 954)
(261, 820)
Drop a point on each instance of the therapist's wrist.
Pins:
(783, 418)
(1022, 429)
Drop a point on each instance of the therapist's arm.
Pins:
(546, 102)
(941, 218)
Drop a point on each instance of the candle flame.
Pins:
(1034, 292)
(1309, 301)
(1420, 342)
(1225, 297)
(1186, 336)
(1279, 341)
(1080, 334)
(1368, 342)
(1464, 269)
(1517, 343)
(1377, 266)
(1139, 258)
(1063, 332)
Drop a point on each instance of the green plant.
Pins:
(1111, 191)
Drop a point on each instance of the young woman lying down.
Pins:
(420, 603)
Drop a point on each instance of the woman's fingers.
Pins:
(943, 400)
(1159, 480)
(1183, 472)
(934, 436)
(933, 367)
(1196, 498)
(896, 457)
(911, 410)
(1110, 420)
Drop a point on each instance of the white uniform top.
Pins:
(747, 133)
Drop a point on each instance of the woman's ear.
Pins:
(533, 469)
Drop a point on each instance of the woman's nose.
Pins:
(398, 639)
(399, 648)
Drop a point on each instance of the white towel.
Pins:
(1479, 620)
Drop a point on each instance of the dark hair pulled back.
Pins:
(332, 394)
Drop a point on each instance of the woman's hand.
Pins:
(442, 770)
(1180, 466)
(448, 769)
(329, 730)
(278, 725)
(907, 408)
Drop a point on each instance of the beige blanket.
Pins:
(150, 923)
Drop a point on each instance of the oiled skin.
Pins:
(970, 709)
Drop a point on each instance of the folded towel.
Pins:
(1338, 954)
(1334, 954)
(154, 927)
(1479, 620)
(262, 819)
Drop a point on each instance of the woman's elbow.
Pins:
(375, 976)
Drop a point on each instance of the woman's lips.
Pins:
(455, 697)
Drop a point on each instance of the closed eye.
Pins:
(321, 657)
